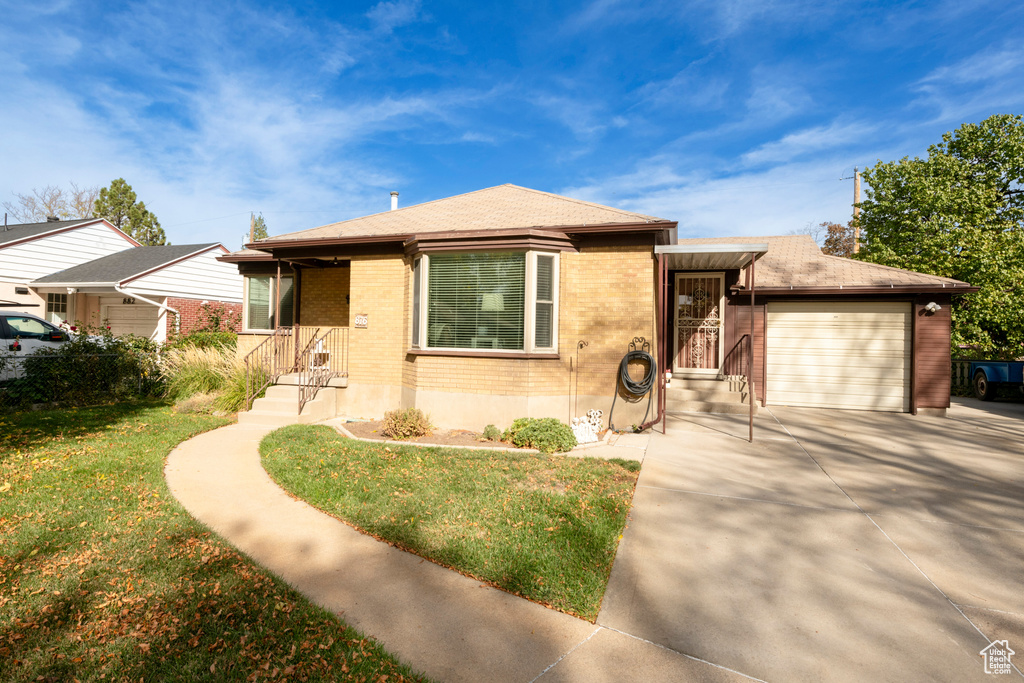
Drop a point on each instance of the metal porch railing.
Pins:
(315, 354)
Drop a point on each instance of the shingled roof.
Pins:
(796, 262)
(19, 231)
(124, 265)
(503, 207)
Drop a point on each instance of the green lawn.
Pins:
(104, 576)
(544, 527)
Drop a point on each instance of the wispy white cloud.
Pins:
(387, 16)
(809, 141)
(775, 201)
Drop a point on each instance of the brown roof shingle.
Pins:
(795, 261)
(495, 208)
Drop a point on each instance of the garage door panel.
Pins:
(132, 319)
(839, 354)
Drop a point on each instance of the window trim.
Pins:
(273, 304)
(530, 349)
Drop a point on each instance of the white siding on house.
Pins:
(833, 354)
(200, 277)
(25, 262)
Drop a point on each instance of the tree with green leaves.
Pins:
(259, 228)
(959, 213)
(118, 205)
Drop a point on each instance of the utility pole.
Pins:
(252, 222)
(856, 210)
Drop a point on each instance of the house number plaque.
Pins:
(362, 320)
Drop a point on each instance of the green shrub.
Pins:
(491, 433)
(91, 366)
(233, 391)
(546, 434)
(403, 424)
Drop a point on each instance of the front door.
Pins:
(699, 307)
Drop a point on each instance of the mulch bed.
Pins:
(440, 437)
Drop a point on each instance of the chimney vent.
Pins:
(52, 219)
(394, 200)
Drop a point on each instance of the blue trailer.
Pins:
(988, 377)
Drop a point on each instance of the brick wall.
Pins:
(190, 314)
(378, 286)
(324, 296)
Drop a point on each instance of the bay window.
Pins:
(264, 310)
(487, 301)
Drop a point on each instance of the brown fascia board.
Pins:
(69, 228)
(247, 258)
(271, 245)
(859, 290)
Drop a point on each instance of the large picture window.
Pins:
(488, 301)
(262, 308)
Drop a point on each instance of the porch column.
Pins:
(750, 359)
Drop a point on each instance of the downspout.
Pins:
(750, 360)
(164, 307)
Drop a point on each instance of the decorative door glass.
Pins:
(698, 322)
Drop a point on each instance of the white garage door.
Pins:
(831, 354)
(132, 319)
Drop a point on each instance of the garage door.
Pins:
(839, 355)
(132, 319)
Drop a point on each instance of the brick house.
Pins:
(510, 302)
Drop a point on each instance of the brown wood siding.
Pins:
(737, 329)
(931, 373)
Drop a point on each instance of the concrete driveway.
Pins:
(840, 545)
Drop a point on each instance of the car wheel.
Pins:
(983, 389)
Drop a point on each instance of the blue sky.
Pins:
(733, 117)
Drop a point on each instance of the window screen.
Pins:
(258, 314)
(545, 308)
(476, 301)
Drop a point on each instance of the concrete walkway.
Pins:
(839, 546)
(440, 623)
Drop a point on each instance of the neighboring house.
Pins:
(149, 291)
(33, 250)
(88, 271)
(475, 309)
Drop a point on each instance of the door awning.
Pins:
(709, 256)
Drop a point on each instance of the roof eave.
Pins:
(863, 289)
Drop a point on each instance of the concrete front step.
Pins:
(280, 406)
(707, 407)
(708, 395)
(293, 380)
(717, 395)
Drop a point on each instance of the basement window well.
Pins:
(486, 301)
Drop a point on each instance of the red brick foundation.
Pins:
(192, 315)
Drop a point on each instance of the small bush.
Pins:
(403, 424)
(546, 434)
(491, 433)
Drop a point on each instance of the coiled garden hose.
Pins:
(635, 388)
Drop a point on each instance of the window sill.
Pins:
(483, 353)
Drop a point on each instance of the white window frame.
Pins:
(274, 301)
(529, 312)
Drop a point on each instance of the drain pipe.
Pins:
(163, 307)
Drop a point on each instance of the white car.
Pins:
(22, 334)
